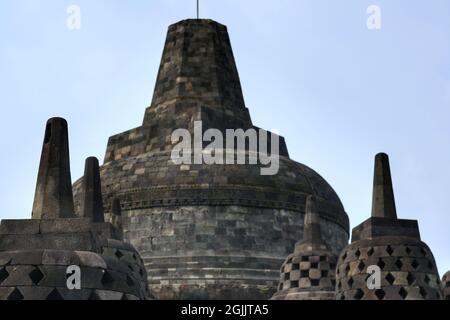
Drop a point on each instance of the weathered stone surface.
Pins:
(90, 259)
(407, 266)
(20, 227)
(188, 214)
(35, 254)
(91, 199)
(67, 241)
(309, 273)
(53, 198)
(383, 202)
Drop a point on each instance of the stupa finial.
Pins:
(53, 197)
(383, 202)
(312, 232)
(91, 201)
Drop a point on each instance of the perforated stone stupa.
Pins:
(208, 231)
(309, 273)
(407, 266)
(35, 254)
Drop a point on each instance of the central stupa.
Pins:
(208, 231)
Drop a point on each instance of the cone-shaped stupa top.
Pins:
(383, 202)
(53, 197)
(393, 245)
(198, 67)
(308, 273)
(91, 199)
(312, 232)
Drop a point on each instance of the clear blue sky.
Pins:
(337, 91)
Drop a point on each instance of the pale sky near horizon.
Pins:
(338, 92)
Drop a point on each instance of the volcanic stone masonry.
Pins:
(309, 273)
(408, 269)
(208, 231)
(203, 231)
(35, 254)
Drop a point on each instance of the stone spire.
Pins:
(392, 246)
(91, 200)
(383, 202)
(53, 197)
(198, 69)
(308, 273)
(312, 232)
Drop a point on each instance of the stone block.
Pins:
(11, 227)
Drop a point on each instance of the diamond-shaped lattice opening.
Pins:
(135, 257)
(314, 282)
(390, 278)
(118, 254)
(423, 292)
(423, 252)
(36, 276)
(430, 265)
(344, 256)
(339, 285)
(141, 272)
(359, 294)
(107, 279)
(415, 264)
(295, 266)
(380, 294)
(16, 295)
(399, 264)
(280, 287)
(289, 260)
(333, 282)
(54, 295)
(130, 282)
(357, 254)
(408, 251)
(350, 282)
(347, 268)
(403, 293)
(427, 279)
(3, 274)
(381, 263)
(370, 252)
(389, 250)
(361, 266)
(410, 278)
(130, 267)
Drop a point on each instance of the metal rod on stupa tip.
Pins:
(91, 201)
(53, 196)
(383, 201)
